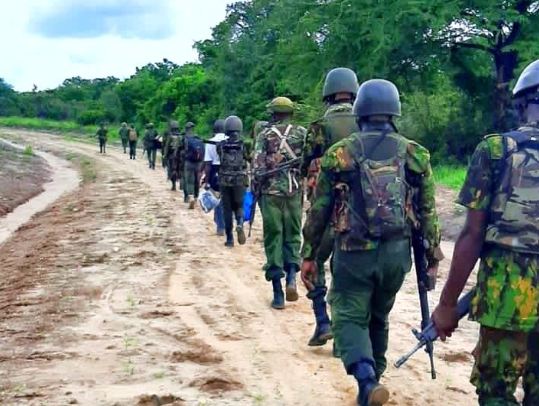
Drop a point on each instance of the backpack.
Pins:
(515, 203)
(379, 193)
(133, 135)
(195, 149)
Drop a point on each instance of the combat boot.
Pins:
(229, 239)
(278, 295)
(239, 231)
(291, 288)
(191, 200)
(322, 332)
(371, 393)
(173, 186)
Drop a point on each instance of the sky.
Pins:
(43, 42)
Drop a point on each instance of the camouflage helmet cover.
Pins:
(281, 105)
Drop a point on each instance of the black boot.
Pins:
(239, 231)
(278, 295)
(291, 288)
(322, 332)
(229, 239)
(371, 393)
(173, 186)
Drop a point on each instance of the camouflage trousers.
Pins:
(191, 178)
(152, 155)
(501, 358)
(281, 217)
(125, 142)
(363, 291)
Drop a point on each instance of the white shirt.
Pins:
(211, 149)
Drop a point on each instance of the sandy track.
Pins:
(154, 310)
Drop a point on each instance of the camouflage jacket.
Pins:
(338, 169)
(276, 144)
(124, 133)
(102, 133)
(150, 139)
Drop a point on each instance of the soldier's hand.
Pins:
(445, 319)
(309, 273)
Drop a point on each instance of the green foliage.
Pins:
(28, 151)
(452, 176)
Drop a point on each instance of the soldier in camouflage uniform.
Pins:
(278, 183)
(101, 135)
(366, 184)
(338, 122)
(124, 136)
(172, 153)
(233, 178)
(501, 193)
(193, 161)
(150, 144)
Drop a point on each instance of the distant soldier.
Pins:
(124, 136)
(164, 142)
(338, 122)
(279, 187)
(501, 193)
(366, 184)
(133, 138)
(211, 167)
(150, 144)
(233, 178)
(172, 152)
(194, 158)
(101, 135)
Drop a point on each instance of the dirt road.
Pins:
(119, 295)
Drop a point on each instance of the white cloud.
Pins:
(30, 58)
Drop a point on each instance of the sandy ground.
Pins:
(21, 177)
(118, 295)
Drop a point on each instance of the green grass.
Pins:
(452, 176)
(70, 129)
(28, 151)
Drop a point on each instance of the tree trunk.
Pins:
(505, 64)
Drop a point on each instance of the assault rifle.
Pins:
(260, 176)
(429, 334)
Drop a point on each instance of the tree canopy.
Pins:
(454, 62)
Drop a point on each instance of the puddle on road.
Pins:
(64, 179)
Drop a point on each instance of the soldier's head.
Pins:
(124, 124)
(233, 127)
(102, 124)
(149, 125)
(341, 85)
(174, 127)
(219, 126)
(377, 101)
(189, 128)
(133, 126)
(526, 93)
(281, 108)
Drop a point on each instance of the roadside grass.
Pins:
(28, 151)
(70, 129)
(452, 176)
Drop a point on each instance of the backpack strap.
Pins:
(284, 142)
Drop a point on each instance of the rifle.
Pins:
(429, 333)
(425, 283)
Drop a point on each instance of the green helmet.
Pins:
(219, 126)
(340, 80)
(281, 105)
(528, 82)
(174, 125)
(189, 125)
(377, 97)
(233, 123)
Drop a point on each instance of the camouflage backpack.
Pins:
(232, 171)
(379, 195)
(514, 212)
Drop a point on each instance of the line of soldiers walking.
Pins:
(368, 189)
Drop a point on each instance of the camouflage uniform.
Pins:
(506, 303)
(124, 136)
(338, 122)
(367, 272)
(102, 137)
(281, 197)
(172, 155)
(191, 172)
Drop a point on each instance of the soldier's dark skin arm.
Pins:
(467, 252)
